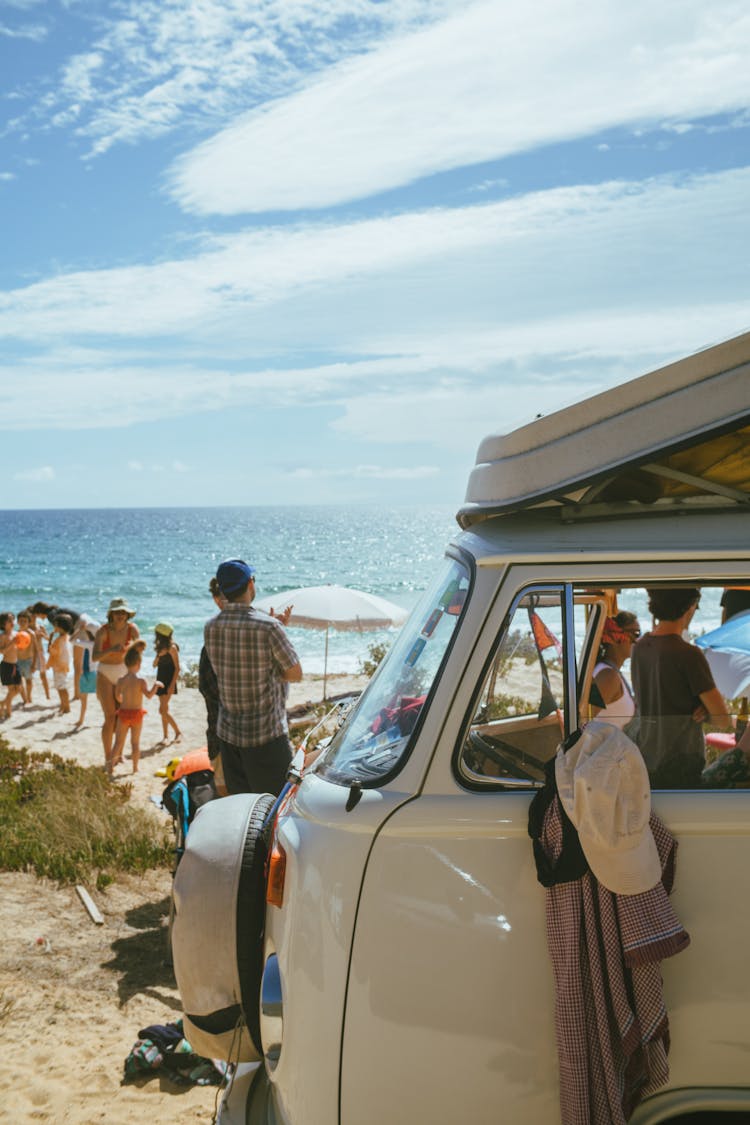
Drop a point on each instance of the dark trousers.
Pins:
(256, 769)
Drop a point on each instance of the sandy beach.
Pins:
(39, 727)
(71, 1004)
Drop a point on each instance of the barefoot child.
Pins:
(87, 679)
(25, 645)
(167, 664)
(39, 636)
(9, 674)
(58, 660)
(129, 692)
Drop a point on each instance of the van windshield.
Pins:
(374, 740)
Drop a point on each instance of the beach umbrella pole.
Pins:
(325, 668)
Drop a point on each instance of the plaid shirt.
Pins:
(249, 653)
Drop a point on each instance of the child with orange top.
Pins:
(25, 646)
(129, 692)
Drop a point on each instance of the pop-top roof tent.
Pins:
(678, 437)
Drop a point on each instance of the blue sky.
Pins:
(299, 251)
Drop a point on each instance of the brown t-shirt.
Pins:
(669, 676)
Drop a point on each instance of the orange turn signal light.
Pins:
(276, 875)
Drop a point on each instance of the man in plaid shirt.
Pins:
(254, 662)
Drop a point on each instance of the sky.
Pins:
(312, 251)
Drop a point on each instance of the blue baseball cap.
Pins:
(233, 574)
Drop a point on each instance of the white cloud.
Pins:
(678, 127)
(512, 374)
(159, 64)
(480, 311)
(366, 284)
(487, 185)
(7, 176)
(79, 77)
(35, 32)
(435, 390)
(490, 80)
(39, 475)
(135, 466)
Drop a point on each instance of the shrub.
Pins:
(505, 706)
(72, 823)
(375, 652)
(189, 675)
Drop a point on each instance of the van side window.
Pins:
(677, 695)
(518, 722)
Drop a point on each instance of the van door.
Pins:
(450, 995)
(450, 1005)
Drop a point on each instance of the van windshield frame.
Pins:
(377, 737)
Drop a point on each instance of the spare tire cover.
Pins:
(217, 934)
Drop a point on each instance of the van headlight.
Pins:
(271, 1011)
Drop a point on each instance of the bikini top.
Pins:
(107, 644)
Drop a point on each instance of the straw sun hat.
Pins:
(120, 605)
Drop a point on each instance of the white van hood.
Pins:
(677, 436)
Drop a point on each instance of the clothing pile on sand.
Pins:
(164, 1048)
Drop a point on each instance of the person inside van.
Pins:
(675, 693)
(734, 600)
(611, 696)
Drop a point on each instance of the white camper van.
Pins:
(403, 972)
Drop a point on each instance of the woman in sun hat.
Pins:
(167, 664)
(110, 643)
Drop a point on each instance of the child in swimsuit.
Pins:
(9, 674)
(167, 664)
(38, 636)
(129, 693)
(26, 646)
(59, 660)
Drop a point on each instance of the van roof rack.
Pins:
(676, 438)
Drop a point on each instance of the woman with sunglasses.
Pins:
(611, 697)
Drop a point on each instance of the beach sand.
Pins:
(74, 994)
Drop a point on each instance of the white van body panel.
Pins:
(707, 987)
(311, 933)
(455, 1007)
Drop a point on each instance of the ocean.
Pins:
(161, 560)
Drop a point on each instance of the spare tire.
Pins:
(217, 934)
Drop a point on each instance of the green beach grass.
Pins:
(73, 823)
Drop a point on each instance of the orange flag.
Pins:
(542, 635)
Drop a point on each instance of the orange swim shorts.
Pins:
(130, 716)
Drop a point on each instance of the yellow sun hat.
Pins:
(169, 770)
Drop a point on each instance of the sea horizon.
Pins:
(161, 559)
